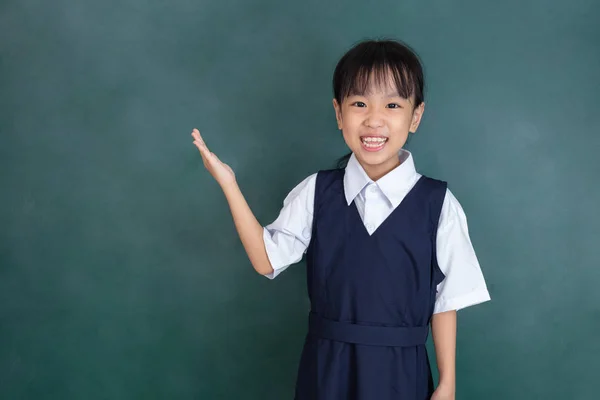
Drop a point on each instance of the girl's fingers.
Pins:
(198, 145)
(197, 136)
(199, 142)
(203, 149)
(198, 139)
(208, 158)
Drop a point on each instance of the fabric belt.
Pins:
(394, 336)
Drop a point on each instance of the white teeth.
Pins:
(373, 142)
(374, 139)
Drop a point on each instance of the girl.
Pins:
(387, 249)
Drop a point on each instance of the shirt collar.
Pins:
(393, 184)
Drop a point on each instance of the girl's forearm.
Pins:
(248, 228)
(443, 327)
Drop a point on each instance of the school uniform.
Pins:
(382, 257)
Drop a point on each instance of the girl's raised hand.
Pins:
(222, 173)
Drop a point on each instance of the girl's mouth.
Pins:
(373, 143)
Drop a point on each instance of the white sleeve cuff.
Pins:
(470, 299)
(271, 249)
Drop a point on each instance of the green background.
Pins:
(121, 274)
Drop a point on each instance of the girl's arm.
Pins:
(443, 327)
(248, 227)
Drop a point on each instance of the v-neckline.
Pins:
(394, 211)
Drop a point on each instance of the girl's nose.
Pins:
(374, 120)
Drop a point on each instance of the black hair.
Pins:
(375, 59)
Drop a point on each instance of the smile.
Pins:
(373, 143)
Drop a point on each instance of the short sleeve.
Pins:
(287, 238)
(464, 284)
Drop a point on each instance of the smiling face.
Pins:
(376, 124)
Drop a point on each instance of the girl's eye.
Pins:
(394, 105)
(359, 104)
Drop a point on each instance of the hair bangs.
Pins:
(382, 65)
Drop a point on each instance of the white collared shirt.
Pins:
(287, 238)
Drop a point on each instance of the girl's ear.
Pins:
(416, 118)
(338, 113)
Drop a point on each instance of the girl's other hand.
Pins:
(222, 173)
(443, 393)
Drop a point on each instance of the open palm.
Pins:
(222, 173)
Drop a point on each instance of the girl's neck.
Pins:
(377, 171)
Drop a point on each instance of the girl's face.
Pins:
(376, 126)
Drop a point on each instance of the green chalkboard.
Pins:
(121, 274)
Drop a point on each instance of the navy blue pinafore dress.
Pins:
(372, 297)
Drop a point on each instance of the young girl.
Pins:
(387, 249)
